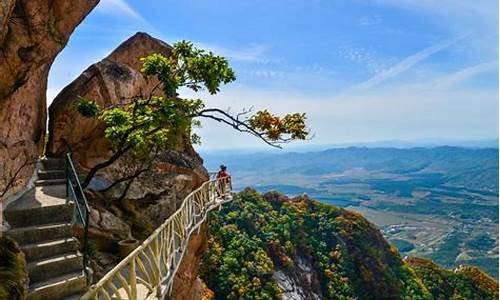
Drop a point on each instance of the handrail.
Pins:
(148, 271)
(70, 187)
(212, 175)
(77, 179)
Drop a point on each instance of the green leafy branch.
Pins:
(137, 125)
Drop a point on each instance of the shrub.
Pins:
(13, 276)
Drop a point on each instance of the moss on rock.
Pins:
(13, 275)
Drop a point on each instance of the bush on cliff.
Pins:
(13, 276)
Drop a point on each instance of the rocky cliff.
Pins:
(115, 79)
(153, 196)
(187, 284)
(32, 33)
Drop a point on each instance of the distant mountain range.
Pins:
(400, 144)
(471, 167)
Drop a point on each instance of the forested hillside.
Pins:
(264, 246)
(440, 203)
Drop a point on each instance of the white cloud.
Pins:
(251, 53)
(362, 56)
(397, 112)
(407, 63)
(464, 74)
(456, 17)
(371, 20)
(453, 9)
(119, 7)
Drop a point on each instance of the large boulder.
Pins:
(32, 33)
(153, 196)
(114, 80)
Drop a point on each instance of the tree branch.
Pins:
(237, 124)
(127, 187)
(131, 177)
(14, 177)
(104, 164)
(154, 89)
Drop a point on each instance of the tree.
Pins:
(137, 125)
(12, 177)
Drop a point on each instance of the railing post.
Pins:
(192, 221)
(85, 245)
(163, 244)
(157, 259)
(133, 280)
(66, 173)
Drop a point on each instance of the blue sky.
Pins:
(366, 70)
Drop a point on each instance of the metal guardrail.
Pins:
(212, 176)
(149, 270)
(74, 191)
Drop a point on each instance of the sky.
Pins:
(362, 70)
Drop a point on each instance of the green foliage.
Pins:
(13, 277)
(143, 126)
(242, 269)
(465, 283)
(156, 122)
(350, 257)
(86, 107)
(190, 67)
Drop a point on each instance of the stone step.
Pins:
(39, 215)
(49, 248)
(39, 233)
(51, 174)
(55, 266)
(40, 196)
(58, 288)
(45, 182)
(49, 163)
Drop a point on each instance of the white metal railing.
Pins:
(212, 176)
(148, 271)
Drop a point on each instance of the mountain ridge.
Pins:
(262, 246)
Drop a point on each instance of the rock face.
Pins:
(187, 284)
(154, 195)
(299, 282)
(113, 80)
(32, 33)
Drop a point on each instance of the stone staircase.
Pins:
(41, 222)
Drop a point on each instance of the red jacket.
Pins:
(222, 174)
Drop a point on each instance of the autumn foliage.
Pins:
(254, 235)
